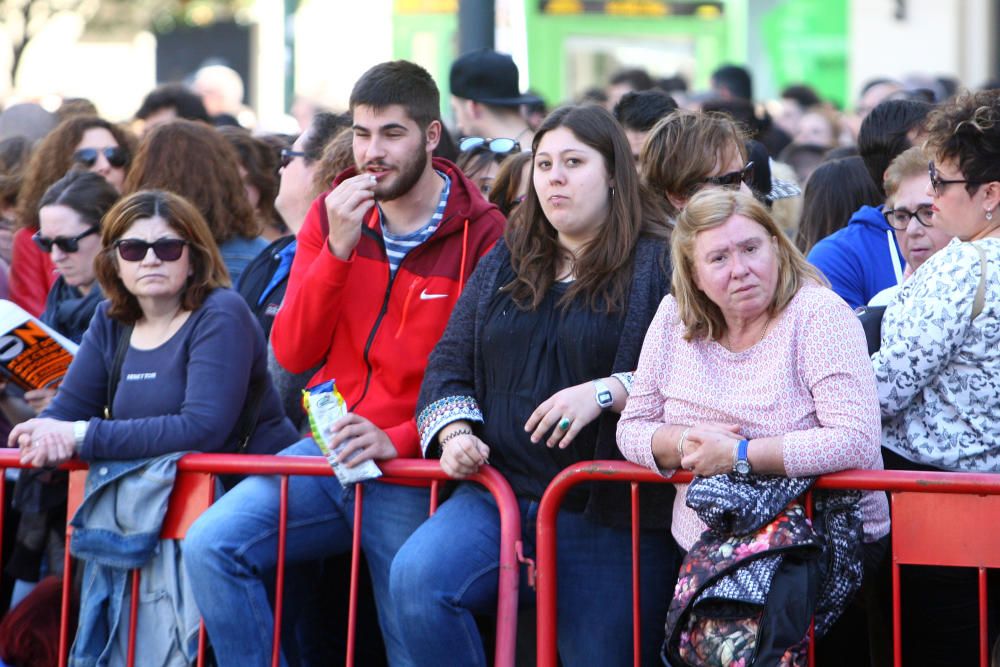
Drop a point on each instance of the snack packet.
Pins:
(325, 406)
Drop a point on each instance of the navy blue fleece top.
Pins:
(857, 260)
(186, 394)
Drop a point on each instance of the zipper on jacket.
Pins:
(385, 306)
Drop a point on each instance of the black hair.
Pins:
(883, 134)
(87, 193)
(399, 82)
(322, 129)
(174, 96)
(639, 111)
(735, 79)
(840, 152)
(672, 84)
(635, 77)
(833, 193)
(740, 110)
(801, 93)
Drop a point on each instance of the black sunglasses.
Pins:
(134, 250)
(287, 155)
(67, 244)
(939, 184)
(733, 178)
(500, 146)
(899, 218)
(115, 155)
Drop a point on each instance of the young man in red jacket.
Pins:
(381, 260)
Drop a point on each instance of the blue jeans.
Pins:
(233, 544)
(447, 572)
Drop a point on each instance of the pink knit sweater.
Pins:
(810, 380)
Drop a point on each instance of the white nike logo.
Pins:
(427, 297)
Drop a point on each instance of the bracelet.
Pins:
(453, 434)
(680, 443)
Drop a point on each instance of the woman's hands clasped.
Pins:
(563, 415)
(43, 442)
(708, 448)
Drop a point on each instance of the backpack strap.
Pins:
(980, 300)
(116, 367)
(247, 421)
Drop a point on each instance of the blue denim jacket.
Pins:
(238, 251)
(117, 528)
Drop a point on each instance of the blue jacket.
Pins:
(862, 259)
(238, 251)
(117, 528)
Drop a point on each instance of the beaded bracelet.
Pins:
(453, 434)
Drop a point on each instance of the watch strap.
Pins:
(602, 394)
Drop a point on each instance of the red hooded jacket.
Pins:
(374, 334)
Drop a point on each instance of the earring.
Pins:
(612, 192)
(989, 214)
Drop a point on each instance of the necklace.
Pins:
(729, 342)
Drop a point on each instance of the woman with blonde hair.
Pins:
(752, 370)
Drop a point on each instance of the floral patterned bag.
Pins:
(718, 616)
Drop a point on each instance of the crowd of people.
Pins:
(757, 293)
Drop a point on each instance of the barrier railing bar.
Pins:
(983, 640)
(253, 464)
(352, 605)
(636, 608)
(279, 583)
(133, 618)
(866, 480)
(435, 491)
(811, 655)
(66, 589)
(897, 626)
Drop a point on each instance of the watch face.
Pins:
(743, 467)
(604, 399)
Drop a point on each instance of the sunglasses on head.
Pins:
(134, 250)
(733, 178)
(500, 146)
(115, 155)
(67, 244)
(287, 155)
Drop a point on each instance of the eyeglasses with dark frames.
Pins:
(135, 250)
(500, 146)
(115, 155)
(732, 179)
(287, 155)
(68, 244)
(899, 218)
(940, 184)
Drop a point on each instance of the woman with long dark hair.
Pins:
(531, 373)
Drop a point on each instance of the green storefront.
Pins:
(576, 44)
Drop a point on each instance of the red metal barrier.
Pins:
(964, 498)
(195, 467)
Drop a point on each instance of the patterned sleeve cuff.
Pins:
(626, 380)
(442, 412)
